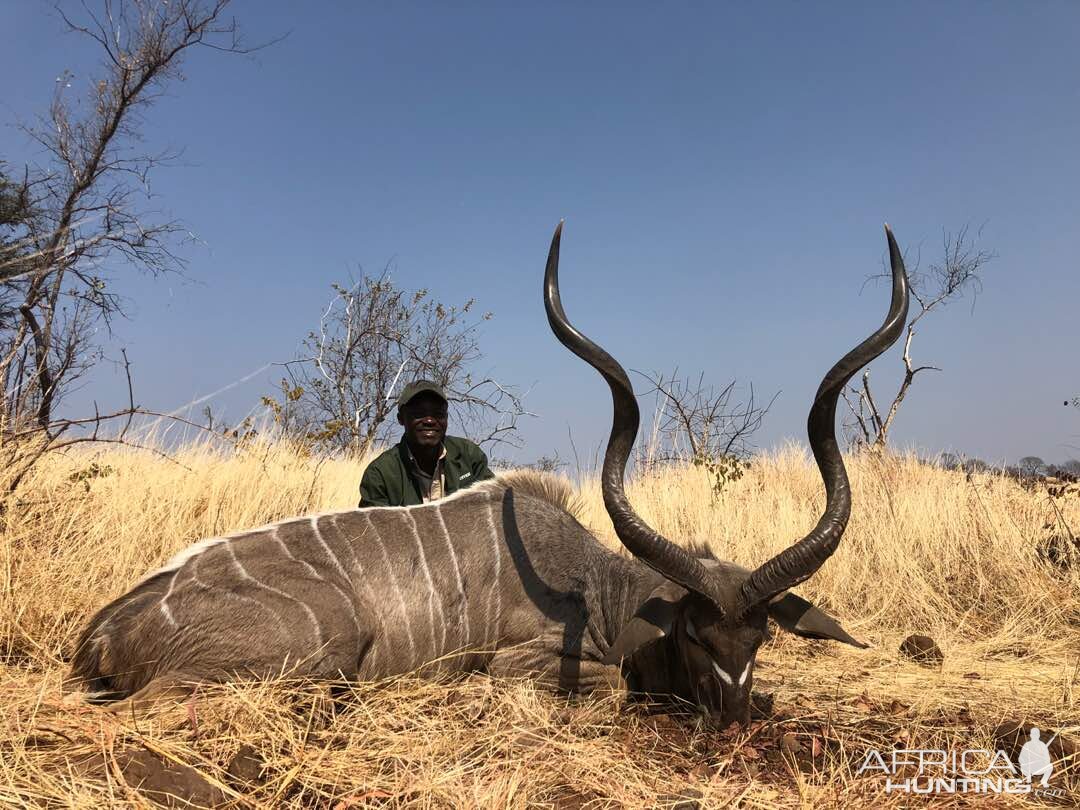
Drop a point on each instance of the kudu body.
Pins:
(500, 577)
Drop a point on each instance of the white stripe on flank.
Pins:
(457, 575)
(311, 569)
(307, 608)
(176, 562)
(164, 607)
(349, 604)
(351, 607)
(373, 602)
(397, 589)
(329, 551)
(496, 582)
(356, 570)
(235, 596)
(431, 590)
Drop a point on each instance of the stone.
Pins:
(790, 744)
(246, 767)
(923, 650)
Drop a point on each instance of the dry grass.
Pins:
(927, 551)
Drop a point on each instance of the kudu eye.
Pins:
(691, 633)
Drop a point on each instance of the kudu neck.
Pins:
(628, 584)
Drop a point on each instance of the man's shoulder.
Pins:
(386, 460)
(462, 447)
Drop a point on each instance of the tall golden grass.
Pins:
(930, 551)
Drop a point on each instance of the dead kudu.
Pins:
(498, 578)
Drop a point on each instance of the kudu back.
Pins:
(499, 578)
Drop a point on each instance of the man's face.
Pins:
(424, 418)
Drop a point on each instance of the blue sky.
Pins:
(724, 171)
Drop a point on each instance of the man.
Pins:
(426, 464)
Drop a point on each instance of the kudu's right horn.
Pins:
(799, 561)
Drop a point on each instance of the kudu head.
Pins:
(714, 614)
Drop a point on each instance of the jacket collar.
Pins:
(411, 459)
(449, 451)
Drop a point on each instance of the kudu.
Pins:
(500, 578)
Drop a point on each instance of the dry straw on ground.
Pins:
(986, 567)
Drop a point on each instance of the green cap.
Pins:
(419, 387)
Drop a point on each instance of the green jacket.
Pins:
(388, 482)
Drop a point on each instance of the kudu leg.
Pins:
(173, 687)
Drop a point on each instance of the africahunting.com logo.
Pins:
(974, 770)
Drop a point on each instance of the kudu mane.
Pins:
(545, 486)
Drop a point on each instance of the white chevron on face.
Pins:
(726, 678)
(723, 675)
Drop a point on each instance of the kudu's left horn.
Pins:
(653, 549)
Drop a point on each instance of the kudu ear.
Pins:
(798, 616)
(650, 623)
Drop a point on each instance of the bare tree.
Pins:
(1031, 465)
(85, 208)
(373, 338)
(704, 425)
(957, 274)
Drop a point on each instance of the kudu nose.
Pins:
(724, 719)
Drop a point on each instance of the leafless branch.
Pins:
(341, 392)
(698, 421)
(84, 209)
(957, 274)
